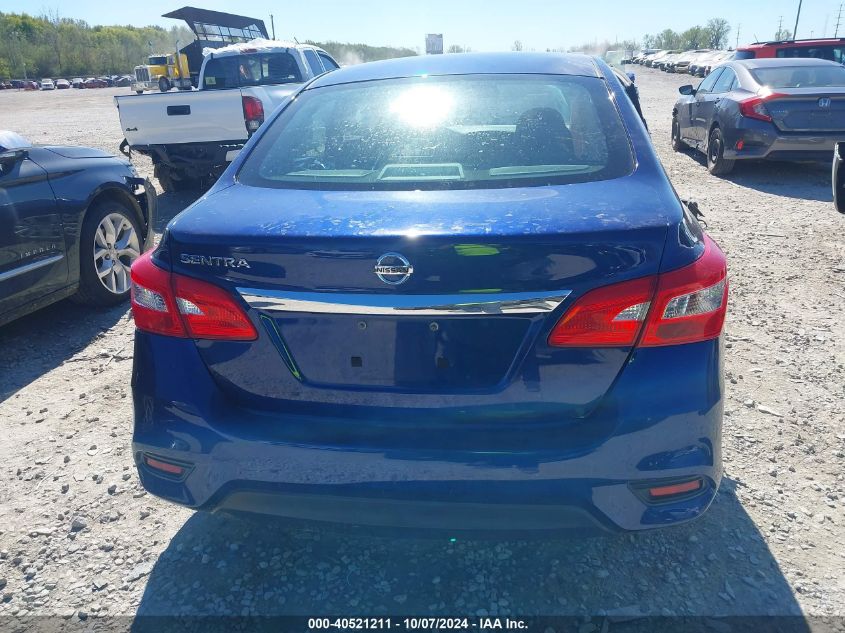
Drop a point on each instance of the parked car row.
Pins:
(62, 84)
(698, 62)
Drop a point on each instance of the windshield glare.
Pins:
(444, 132)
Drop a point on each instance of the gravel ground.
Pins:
(79, 537)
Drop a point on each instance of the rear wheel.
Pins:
(173, 180)
(677, 144)
(717, 164)
(163, 84)
(111, 239)
(140, 92)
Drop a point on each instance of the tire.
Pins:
(111, 239)
(716, 164)
(677, 144)
(164, 84)
(165, 179)
(173, 181)
(139, 92)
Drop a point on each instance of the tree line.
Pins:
(55, 46)
(347, 53)
(714, 34)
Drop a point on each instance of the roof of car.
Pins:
(791, 62)
(806, 42)
(464, 64)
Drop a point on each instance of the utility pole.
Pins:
(738, 26)
(272, 26)
(797, 16)
(779, 34)
(838, 20)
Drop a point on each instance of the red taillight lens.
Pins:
(755, 107)
(253, 113)
(153, 305)
(691, 302)
(210, 312)
(681, 306)
(611, 316)
(175, 305)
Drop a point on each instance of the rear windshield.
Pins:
(258, 69)
(800, 76)
(469, 131)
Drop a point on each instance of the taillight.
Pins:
(680, 306)
(755, 107)
(175, 305)
(611, 316)
(253, 113)
(153, 304)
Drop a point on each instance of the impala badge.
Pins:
(393, 269)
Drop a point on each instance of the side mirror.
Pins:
(687, 90)
(838, 179)
(632, 77)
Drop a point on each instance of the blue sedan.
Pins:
(449, 292)
(72, 221)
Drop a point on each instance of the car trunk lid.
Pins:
(808, 109)
(493, 270)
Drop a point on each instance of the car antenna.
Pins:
(296, 40)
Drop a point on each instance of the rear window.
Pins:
(828, 52)
(744, 55)
(469, 131)
(259, 69)
(800, 76)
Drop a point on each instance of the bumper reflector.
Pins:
(662, 492)
(172, 469)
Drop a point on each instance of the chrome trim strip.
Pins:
(26, 268)
(404, 305)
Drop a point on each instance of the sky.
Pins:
(483, 26)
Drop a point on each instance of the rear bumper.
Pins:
(761, 140)
(667, 409)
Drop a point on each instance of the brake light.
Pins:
(755, 107)
(175, 305)
(253, 113)
(680, 306)
(690, 303)
(153, 305)
(611, 316)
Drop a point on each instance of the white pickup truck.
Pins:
(189, 134)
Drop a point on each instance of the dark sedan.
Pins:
(778, 109)
(72, 221)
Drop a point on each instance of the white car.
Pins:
(47, 84)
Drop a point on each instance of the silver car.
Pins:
(778, 109)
